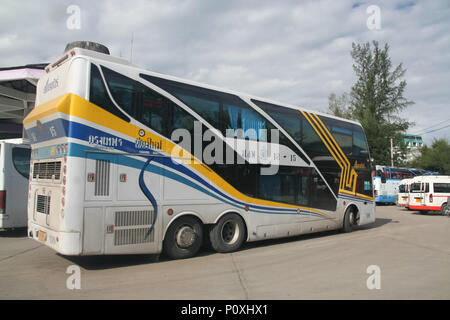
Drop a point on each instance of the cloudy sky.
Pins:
(296, 52)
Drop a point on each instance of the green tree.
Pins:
(340, 106)
(434, 158)
(376, 99)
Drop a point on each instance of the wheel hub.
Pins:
(185, 236)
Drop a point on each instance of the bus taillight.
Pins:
(431, 197)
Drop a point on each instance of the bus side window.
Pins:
(99, 96)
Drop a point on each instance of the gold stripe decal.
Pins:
(347, 183)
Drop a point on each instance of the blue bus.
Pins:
(387, 179)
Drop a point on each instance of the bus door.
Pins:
(419, 197)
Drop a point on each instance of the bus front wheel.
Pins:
(228, 234)
(183, 238)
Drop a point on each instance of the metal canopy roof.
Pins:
(17, 96)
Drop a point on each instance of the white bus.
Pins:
(430, 193)
(14, 172)
(403, 193)
(108, 176)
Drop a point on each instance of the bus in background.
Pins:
(14, 174)
(402, 199)
(430, 193)
(386, 181)
(117, 141)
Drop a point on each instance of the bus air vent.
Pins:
(102, 168)
(131, 227)
(43, 204)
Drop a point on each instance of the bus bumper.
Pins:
(66, 243)
(425, 208)
(385, 199)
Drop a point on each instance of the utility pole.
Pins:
(392, 152)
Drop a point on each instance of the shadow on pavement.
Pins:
(118, 261)
(14, 233)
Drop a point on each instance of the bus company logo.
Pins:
(50, 85)
(359, 165)
(148, 144)
(141, 133)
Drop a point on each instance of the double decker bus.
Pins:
(121, 164)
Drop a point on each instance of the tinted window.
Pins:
(289, 120)
(222, 110)
(238, 115)
(442, 187)
(350, 138)
(360, 148)
(289, 185)
(123, 89)
(154, 111)
(311, 142)
(321, 196)
(21, 161)
(401, 174)
(99, 96)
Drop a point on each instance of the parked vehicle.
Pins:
(430, 193)
(14, 173)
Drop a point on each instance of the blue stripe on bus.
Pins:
(353, 198)
(77, 150)
(149, 196)
(83, 132)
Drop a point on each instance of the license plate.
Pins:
(418, 200)
(42, 236)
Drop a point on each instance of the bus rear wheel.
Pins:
(183, 238)
(228, 234)
(350, 219)
(445, 209)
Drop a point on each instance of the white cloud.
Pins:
(292, 51)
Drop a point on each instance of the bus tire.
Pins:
(228, 234)
(183, 238)
(444, 209)
(349, 219)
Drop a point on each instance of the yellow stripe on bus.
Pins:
(341, 165)
(351, 174)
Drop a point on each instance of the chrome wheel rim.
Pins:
(185, 236)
